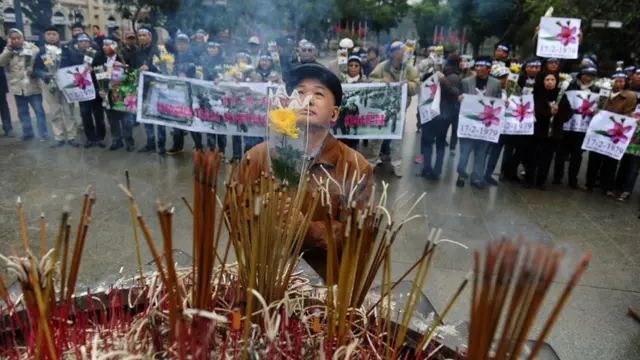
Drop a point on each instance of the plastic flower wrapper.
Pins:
(51, 59)
(165, 61)
(103, 75)
(287, 138)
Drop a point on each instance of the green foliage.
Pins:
(381, 15)
(285, 162)
(426, 16)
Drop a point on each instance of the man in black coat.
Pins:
(143, 60)
(4, 106)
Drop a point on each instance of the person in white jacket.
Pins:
(18, 58)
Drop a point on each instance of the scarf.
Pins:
(351, 80)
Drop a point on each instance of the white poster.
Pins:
(429, 99)
(481, 118)
(609, 134)
(76, 84)
(558, 37)
(519, 119)
(583, 103)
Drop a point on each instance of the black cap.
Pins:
(77, 25)
(51, 28)
(320, 73)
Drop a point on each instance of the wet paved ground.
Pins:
(594, 324)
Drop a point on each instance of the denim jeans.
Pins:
(493, 154)
(251, 141)
(434, 131)
(479, 149)
(23, 102)
(149, 129)
(628, 173)
(217, 140)
(5, 114)
(236, 144)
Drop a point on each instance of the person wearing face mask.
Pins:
(571, 144)
(121, 126)
(62, 119)
(18, 59)
(551, 114)
(395, 70)
(623, 102)
(324, 153)
(479, 84)
(143, 61)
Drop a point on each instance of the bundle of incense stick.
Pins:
(256, 307)
(528, 282)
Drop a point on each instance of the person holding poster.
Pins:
(57, 56)
(571, 144)
(143, 61)
(623, 102)
(353, 75)
(395, 69)
(327, 154)
(630, 163)
(551, 112)
(436, 129)
(18, 58)
(479, 84)
(494, 150)
(121, 129)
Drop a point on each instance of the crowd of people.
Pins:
(525, 158)
(528, 158)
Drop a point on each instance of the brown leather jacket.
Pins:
(336, 158)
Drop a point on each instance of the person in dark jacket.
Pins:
(571, 144)
(551, 114)
(185, 61)
(212, 61)
(527, 78)
(121, 127)
(128, 48)
(306, 54)
(4, 106)
(373, 58)
(61, 116)
(143, 61)
(436, 129)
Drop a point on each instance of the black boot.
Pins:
(117, 144)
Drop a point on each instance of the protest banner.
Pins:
(609, 134)
(124, 89)
(371, 111)
(480, 118)
(583, 103)
(75, 83)
(230, 108)
(558, 38)
(518, 118)
(429, 99)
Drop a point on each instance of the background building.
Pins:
(67, 12)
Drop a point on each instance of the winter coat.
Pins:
(17, 66)
(3, 77)
(262, 75)
(67, 59)
(451, 89)
(384, 69)
(542, 99)
(101, 60)
(493, 86)
(211, 66)
(144, 56)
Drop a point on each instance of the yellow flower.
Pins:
(283, 121)
(47, 62)
(166, 58)
(156, 60)
(563, 76)
(242, 66)
(515, 69)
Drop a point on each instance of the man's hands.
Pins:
(144, 68)
(554, 109)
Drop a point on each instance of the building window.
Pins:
(9, 17)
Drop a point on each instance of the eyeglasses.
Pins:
(307, 50)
